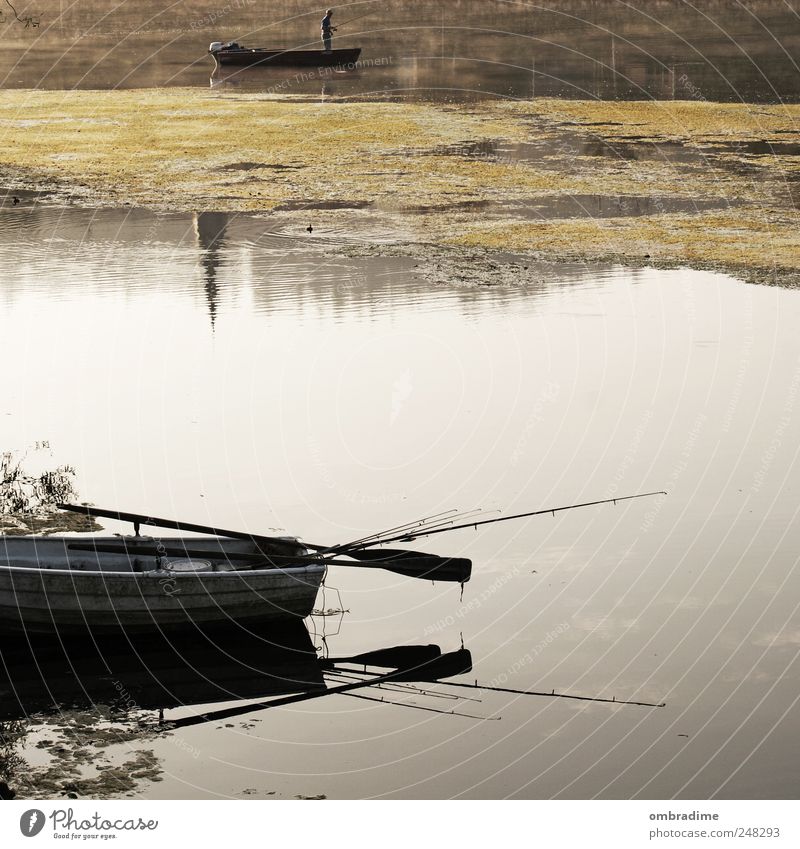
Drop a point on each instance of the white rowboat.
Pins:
(59, 585)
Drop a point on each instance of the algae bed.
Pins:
(664, 183)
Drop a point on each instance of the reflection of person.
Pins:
(327, 30)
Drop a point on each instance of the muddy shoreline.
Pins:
(665, 184)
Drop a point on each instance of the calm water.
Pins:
(230, 369)
(449, 51)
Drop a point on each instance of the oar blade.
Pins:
(387, 554)
(417, 564)
(445, 666)
(454, 570)
(395, 657)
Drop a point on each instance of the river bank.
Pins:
(660, 183)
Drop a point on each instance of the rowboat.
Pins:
(108, 584)
(235, 54)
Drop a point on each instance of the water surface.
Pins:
(235, 370)
(413, 49)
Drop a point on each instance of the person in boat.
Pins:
(327, 31)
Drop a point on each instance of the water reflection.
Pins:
(94, 712)
(278, 81)
(352, 393)
(106, 251)
(75, 700)
(210, 228)
(128, 677)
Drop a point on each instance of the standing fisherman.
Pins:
(327, 30)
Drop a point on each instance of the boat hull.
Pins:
(243, 57)
(42, 593)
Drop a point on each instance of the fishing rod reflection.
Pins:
(73, 700)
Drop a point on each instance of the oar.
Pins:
(408, 537)
(139, 519)
(411, 663)
(149, 549)
(427, 566)
(395, 657)
(445, 666)
(412, 564)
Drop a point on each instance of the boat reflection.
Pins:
(278, 81)
(156, 674)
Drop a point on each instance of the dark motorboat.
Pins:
(234, 54)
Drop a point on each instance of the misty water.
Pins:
(412, 49)
(241, 371)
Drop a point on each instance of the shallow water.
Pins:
(237, 370)
(413, 49)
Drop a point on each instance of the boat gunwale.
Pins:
(289, 57)
(277, 51)
(46, 570)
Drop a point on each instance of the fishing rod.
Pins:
(409, 537)
(554, 695)
(453, 712)
(551, 695)
(466, 514)
(404, 688)
(433, 521)
(404, 526)
(450, 697)
(374, 539)
(357, 18)
(428, 692)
